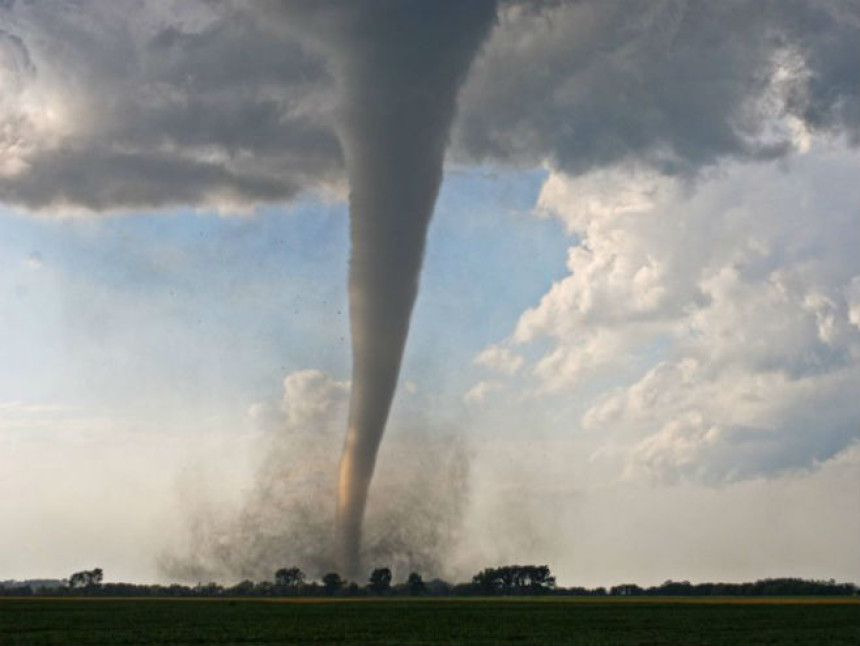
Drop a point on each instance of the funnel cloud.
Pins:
(399, 67)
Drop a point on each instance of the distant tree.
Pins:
(416, 584)
(439, 588)
(16, 590)
(289, 577)
(486, 581)
(675, 588)
(86, 579)
(207, 589)
(332, 583)
(514, 579)
(242, 588)
(534, 578)
(626, 590)
(380, 580)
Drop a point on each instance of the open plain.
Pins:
(473, 621)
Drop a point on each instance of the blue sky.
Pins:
(144, 303)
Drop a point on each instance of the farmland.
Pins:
(475, 621)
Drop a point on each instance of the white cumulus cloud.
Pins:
(714, 325)
(500, 358)
(480, 391)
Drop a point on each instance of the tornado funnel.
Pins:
(400, 65)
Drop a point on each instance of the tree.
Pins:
(380, 580)
(486, 581)
(416, 584)
(242, 588)
(536, 578)
(86, 579)
(289, 577)
(514, 579)
(332, 582)
(626, 590)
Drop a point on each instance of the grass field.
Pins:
(470, 621)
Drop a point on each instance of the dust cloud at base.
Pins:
(286, 517)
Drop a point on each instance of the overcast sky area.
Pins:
(635, 355)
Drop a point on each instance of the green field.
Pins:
(472, 621)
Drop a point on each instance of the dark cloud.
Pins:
(128, 105)
(675, 85)
(230, 99)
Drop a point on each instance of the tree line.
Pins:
(503, 580)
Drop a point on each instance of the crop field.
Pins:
(473, 621)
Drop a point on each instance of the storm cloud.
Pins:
(120, 105)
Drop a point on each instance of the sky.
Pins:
(635, 353)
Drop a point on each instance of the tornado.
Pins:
(399, 66)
